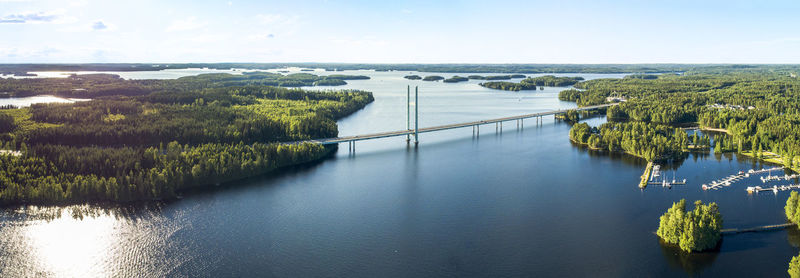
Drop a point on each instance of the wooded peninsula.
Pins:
(755, 112)
(150, 139)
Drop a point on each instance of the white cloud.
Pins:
(259, 37)
(365, 41)
(99, 25)
(187, 24)
(38, 17)
(79, 3)
(277, 19)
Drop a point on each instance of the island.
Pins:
(508, 86)
(496, 77)
(552, 81)
(152, 139)
(433, 78)
(455, 79)
(412, 77)
(97, 85)
(692, 231)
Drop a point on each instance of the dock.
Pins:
(774, 188)
(757, 229)
(730, 180)
(646, 175)
(656, 172)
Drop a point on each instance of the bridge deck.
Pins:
(337, 140)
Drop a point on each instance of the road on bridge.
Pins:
(337, 140)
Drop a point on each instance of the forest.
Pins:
(98, 85)
(185, 133)
(508, 86)
(433, 78)
(495, 77)
(530, 83)
(692, 231)
(455, 79)
(552, 81)
(750, 112)
(652, 142)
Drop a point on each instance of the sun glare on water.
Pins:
(68, 247)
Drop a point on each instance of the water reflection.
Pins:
(691, 263)
(85, 240)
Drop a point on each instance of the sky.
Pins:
(569, 31)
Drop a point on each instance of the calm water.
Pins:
(520, 203)
(27, 101)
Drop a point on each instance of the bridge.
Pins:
(475, 125)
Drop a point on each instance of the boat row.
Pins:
(726, 181)
(775, 188)
(664, 182)
(770, 178)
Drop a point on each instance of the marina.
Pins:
(774, 188)
(664, 182)
(730, 180)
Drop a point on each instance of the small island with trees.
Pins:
(455, 79)
(692, 231)
(496, 77)
(433, 78)
(552, 81)
(412, 77)
(508, 86)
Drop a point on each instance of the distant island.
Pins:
(450, 68)
(433, 78)
(496, 77)
(455, 79)
(528, 83)
(508, 86)
(412, 77)
(552, 81)
(642, 76)
(96, 85)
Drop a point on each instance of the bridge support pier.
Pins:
(416, 115)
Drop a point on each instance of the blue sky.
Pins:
(400, 31)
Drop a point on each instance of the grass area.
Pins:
(772, 158)
(22, 118)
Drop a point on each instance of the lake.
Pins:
(524, 202)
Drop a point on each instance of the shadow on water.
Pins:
(691, 263)
(626, 158)
(793, 236)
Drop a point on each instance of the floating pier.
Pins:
(730, 180)
(656, 172)
(756, 229)
(774, 188)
